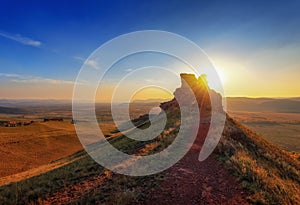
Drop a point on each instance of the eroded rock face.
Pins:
(203, 95)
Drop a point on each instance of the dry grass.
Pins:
(28, 147)
(281, 129)
(116, 189)
(270, 173)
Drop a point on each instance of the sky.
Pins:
(254, 45)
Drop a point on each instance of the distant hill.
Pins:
(288, 105)
(32, 103)
(154, 100)
(296, 98)
(12, 110)
(32, 107)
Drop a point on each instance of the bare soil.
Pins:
(193, 182)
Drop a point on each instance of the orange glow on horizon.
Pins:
(151, 93)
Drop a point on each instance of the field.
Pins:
(42, 146)
(26, 147)
(282, 129)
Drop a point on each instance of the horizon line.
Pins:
(148, 99)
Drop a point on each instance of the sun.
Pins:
(222, 74)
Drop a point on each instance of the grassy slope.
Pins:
(36, 189)
(268, 172)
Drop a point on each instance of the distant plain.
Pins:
(27, 147)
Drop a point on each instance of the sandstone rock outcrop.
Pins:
(203, 95)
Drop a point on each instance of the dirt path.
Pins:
(194, 182)
(187, 182)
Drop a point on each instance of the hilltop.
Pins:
(270, 174)
(244, 168)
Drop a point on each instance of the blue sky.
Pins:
(47, 40)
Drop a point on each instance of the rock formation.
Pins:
(203, 95)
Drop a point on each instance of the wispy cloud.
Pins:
(12, 77)
(9, 75)
(92, 64)
(150, 80)
(78, 58)
(21, 39)
(42, 80)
